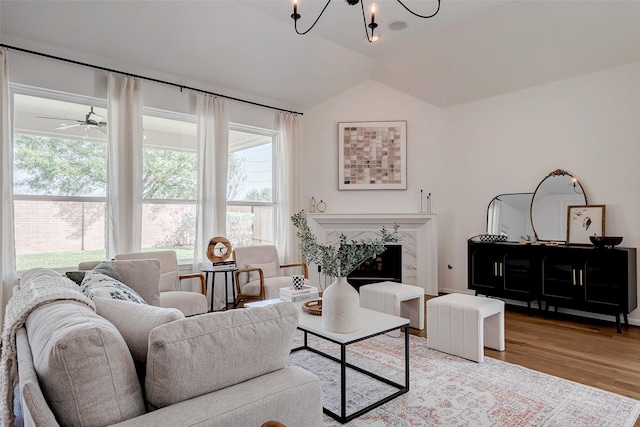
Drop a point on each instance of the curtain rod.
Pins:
(151, 79)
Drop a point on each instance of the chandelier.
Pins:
(371, 25)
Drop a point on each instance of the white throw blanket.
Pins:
(39, 290)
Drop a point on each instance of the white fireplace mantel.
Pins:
(417, 233)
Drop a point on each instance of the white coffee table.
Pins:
(372, 323)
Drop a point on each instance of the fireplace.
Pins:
(386, 267)
(417, 240)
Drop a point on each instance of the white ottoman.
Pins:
(463, 325)
(395, 298)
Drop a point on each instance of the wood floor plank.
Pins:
(583, 350)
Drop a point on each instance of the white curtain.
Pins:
(124, 178)
(7, 248)
(212, 121)
(287, 188)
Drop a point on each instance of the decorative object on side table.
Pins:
(340, 300)
(219, 249)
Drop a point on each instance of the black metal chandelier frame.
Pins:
(371, 25)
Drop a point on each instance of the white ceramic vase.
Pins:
(340, 307)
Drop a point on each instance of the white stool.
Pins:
(463, 325)
(395, 298)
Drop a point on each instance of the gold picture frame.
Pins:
(584, 221)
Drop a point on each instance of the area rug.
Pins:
(446, 390)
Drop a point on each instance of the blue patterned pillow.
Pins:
(100, 285)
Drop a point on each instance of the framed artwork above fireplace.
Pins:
(372, 155)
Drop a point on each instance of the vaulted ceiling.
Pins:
(472, 49)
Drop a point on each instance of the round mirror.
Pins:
(549, 204)
(508, 215)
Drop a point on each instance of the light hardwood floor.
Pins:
(583, 350)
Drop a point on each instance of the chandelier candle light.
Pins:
(340, 301)
(372, 24)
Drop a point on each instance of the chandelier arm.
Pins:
(418, 15)
(314, 22)
(364, 19)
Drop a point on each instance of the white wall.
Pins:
(466, 155)
(371, 101)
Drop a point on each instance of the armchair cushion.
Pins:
(268, 270)
(135, 322)
(201, 354)
(189, 303)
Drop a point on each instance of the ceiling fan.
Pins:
(91, 120)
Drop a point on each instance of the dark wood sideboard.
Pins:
(576, 277)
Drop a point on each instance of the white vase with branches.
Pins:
(340, 301)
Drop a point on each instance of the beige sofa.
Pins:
(129, 364)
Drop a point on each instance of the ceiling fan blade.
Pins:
(65, 127)
(61, 118)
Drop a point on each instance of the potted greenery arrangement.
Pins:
(340, 301)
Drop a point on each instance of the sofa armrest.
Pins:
(35, 409)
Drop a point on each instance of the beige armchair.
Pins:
(260, 275)
(171, 293)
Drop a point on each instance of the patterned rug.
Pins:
(446, 390)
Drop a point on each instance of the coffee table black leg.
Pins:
(406, 357)
(343, 382)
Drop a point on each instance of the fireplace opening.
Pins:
(386, 267)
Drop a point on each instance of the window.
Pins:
(60, 181)
(60, 169)
(250, 197)
(169, 183)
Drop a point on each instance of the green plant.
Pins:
(340, 260)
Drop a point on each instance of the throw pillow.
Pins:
(135, 322)
(141, 275)
(76, 276)
(99, 285)
(108, 270)
(268, 270)
(223, 349)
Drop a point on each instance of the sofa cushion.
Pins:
(135, 322)
(84, 367)
(268, 270)
(141, 275)
(201, 354)
(101, 285)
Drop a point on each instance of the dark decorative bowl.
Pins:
(605, 241)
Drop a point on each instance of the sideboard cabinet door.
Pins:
(503, 270)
